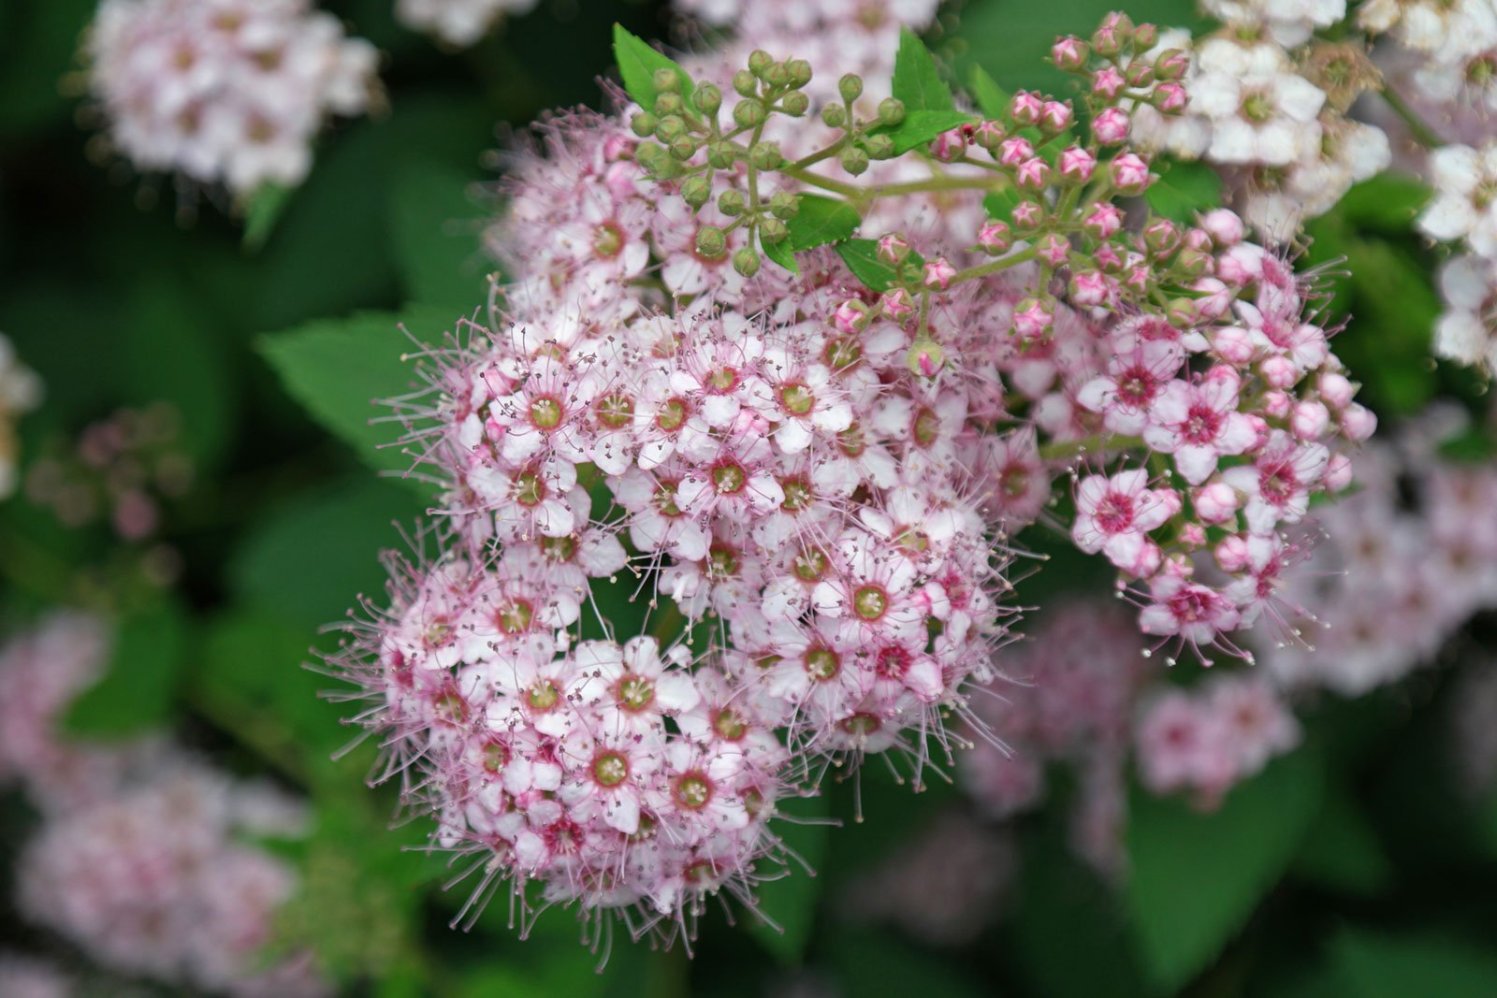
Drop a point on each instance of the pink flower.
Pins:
(1278, 483)
(1199, 423)
(1195, 613)
(1114, 516)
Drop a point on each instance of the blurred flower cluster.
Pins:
(145, 857)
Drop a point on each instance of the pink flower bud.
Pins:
(1077, 164)
(1215, 503)
(892, 248)
(1026, 107)
(1032, 319)
(1056, 116)
(1224, 226)
(1089, 287)
(850, 317)
(1336, 389)
(1338, 473)
(1170, 98)
(988, 134)
(1277, 404)
(1033, 174)
(1014, 151)
(1054, 249)
(1104, 220)
(938, 273)
(1107, 258)
(1111, 126)
(897, 303)
(1027, 215)
(1069, 53)
(1130, 173)
(1358, 422)
(1279, 372)
(949, 145)
(1233, 344)
(1215, 297)
(1309, 420)
(1232, 554)
(1193, 535)
(995, 237)
(1107, 83)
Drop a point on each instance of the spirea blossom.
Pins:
(457, 22)
(228, 92)
(807, 462)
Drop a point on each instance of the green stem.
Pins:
(984, 269)
(1423, 134)
(1063, 449)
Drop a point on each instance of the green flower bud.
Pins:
(643, 124)
(720, 155)
(670, 128)
(783, 204)
(850, 87)
(731, 203)
(707, 98)
(890, 112)
(800, 72)
(772, 230)
(666, 81)
(777, 75)
(684, 148)
(795, 103)
(696, 190)
(746, 261)
(669, 103)
(759, 62)
(765, 155)
(879, 146)
(712, 242)
(854, 160)
(749, 112)
(745, 83)
(833, 116)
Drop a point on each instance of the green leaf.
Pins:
(861, 257)
(637, 65)
(310, 559)
(920, 127)
(781, 253)
(1183, 189)
(435, 224)
(821, 220)
(1388, 340)
(1387, 202)
(790, 901)
(1195, 878)
(1342, 850)
(136, 693)
(262, 212)
(992, 100)
(1375, 965)
(917, 81)
(339, 369)
(1472, 445)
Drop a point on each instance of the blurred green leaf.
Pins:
(40, 46)
(1183, 189)
(1000, 204)
(339, 369)
(309, 560)
(638, 63)
(1376, 965)
(1342, 850)
(920, 127)
(1387, 202)
(436, 223)
(781, 253)
(262, 212)
(790, 901)
(140, 685)
(1388, 341)
(1195, 878)
(991, 99)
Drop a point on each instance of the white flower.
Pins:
(1289, 22)
(1467, 331)
(1261, 111)
(457, 22)
(1465, 205)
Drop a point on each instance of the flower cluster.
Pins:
(1207, 739)
(1465, 210)
(1453, 45)
(457, 22)
(20, 391)
(807, 459)
(228, 92)
(1406, 561)
(28, 977)
(1269, 106)
(139, 860)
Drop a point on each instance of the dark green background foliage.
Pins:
(1352, 867)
